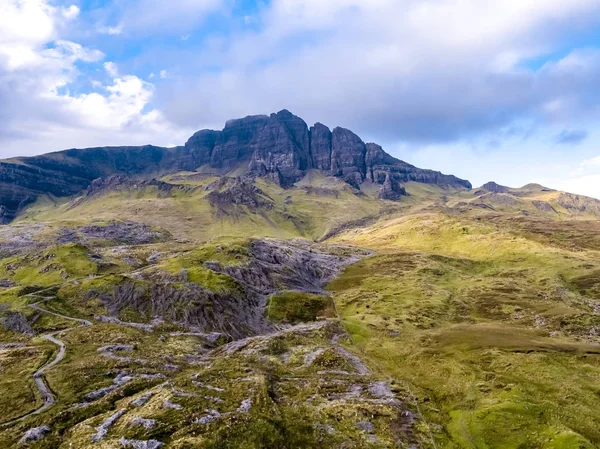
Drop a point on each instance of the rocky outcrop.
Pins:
(15, 322)
(280, 147)
(113, 233)
(238, 192)
(579, 204)
(494, 188)
(283, 148)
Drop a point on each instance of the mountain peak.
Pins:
(495, 188)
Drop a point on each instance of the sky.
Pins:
(486, 90)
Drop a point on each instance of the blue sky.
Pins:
(505, 91)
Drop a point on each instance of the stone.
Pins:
(320, 146)
(143, 422)
(348, 154)
(35, 434)
(16, 322)
(140, 444)
(365, 426)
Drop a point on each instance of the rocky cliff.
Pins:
(280, 147)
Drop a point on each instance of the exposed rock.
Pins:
(116, 232)
(543, 206)
(282, 149)
(320, 146)
(496, 199)
(381, 390)
(171, 405)
(102, 430)
(21, 239)
(245, 406)
(237, 142)
(140, 444)
(12, 345)
(142, 422)
(391, 189)
(211, 416)
(208, 387)
(579, 204)
(110, 319)
(240, 193)
(113, 348)
(119, 381)
(35, 434)
(16, 322)
(348, 156)
(142, 400)
(324, 428)
(365, 426)
(495, 188)
(4, 283)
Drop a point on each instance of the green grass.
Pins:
(17, 366)
(296, 307)
(52, 266)
(189, 214)
(492, 327)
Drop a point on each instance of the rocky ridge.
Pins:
(280, 147)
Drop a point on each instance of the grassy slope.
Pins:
(487, 314)
(297, 212)
(494, 327)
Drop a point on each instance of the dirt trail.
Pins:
(46, 393)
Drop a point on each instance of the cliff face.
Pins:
(280, 146)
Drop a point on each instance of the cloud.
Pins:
(149, 17)
(111, 30)
(71, 12)
(42, 106)
(593, 162)
(585, 180)
(111, 68)
(571, 137)
(405, 69)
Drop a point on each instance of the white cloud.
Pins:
(394, 69)
(163, 74)
(40, 110)
(593, 162)
(71, 12)
(111, 30)
(588, 185)
(143, 17)
(111, 68)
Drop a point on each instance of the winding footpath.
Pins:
(46, 394)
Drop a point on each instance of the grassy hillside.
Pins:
(316, 205)
(495, 324)
(475, 315)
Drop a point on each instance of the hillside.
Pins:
(278, 286)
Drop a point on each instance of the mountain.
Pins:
(279, 147)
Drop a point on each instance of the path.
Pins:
(48, 397)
